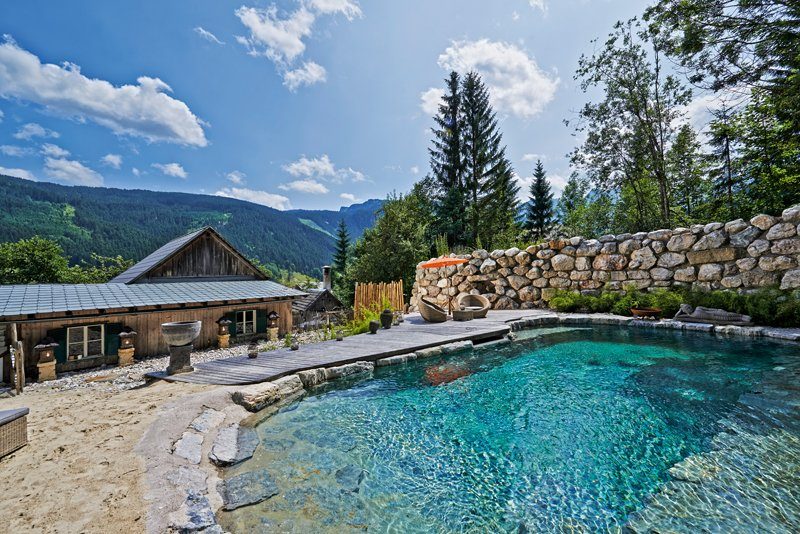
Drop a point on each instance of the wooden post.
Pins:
(19, 359)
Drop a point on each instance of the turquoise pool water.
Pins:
(574, 430)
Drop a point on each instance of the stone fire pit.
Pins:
(179, 337)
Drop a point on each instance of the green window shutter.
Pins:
(232, 318)
(112, 331)
(261, 321)
(59, 335)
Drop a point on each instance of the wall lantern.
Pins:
(127, 338)
(224, 326)
(46, 350)
(272, 319)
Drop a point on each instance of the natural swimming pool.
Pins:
(577, 428)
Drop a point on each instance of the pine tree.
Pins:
(447, 168)
(540, 203)
(721, 172)
(483, 156)
(500, 205)
(342, 251)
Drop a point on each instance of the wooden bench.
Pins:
(13, 430)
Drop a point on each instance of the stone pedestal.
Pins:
(272, 333)
(180, 359)
(47, 371)
(223, 341)
(126, 357)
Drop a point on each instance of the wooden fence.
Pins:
(371, 295)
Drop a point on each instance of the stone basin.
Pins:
(181, 333)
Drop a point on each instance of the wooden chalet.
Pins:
(310, 309)
(199, 276)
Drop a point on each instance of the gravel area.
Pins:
(113, 378)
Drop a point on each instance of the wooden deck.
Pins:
(412, 335)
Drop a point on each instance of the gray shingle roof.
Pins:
(154, 258)
(16, 300)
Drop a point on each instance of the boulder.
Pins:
(562, 262)
(607, 238)
(488, 266)
(609, 262)
(713, 255)
(758, 278)
(518, 282)
(590, 247)
(711, 241)
(745, 264)
(529, 294)
(643, 258)
(781, 231)
(505, 261)
(712, 227)
(763, 222)
(505, 303)
(660, 235)
(786, 246)
(671, 259)
(569, 250)
(791, 280)
(732, 282)
(609, 248)
(681, 242)
(513, 251)
(658, 246)
(580, 275)
(498, 253)
(522, 258)
(776, 263)
(545, 254)
(758, 247)
(734, 227)
(583, 263)
(628, 246)
(710, 272)
(659, 273)
(744, 237)
(686, 275)
(258, 396)
(791, 214)
(480, 254)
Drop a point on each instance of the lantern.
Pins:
(46, 350)
(272, 319)
(127, 338)
(224, 326)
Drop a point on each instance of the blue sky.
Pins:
(295, 104)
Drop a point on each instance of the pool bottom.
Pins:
(577, 431)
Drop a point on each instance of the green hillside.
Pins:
(133, 223)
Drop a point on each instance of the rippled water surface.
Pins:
(574, 429)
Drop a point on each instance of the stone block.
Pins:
(763, 222)
(786, 246)
(681, 242)
(791, 280)
(791, 214)
(711, 241)
(562, 262)
(709, 272)
(671, 259)
(714, 255)
(781, 231)
(258, 396)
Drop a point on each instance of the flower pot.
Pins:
(641, 313)
(386, 318)
(374, 326)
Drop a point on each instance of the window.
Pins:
(246, 322)
(85, 342)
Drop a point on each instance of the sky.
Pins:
(311, 104)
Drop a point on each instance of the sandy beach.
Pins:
(79, 472)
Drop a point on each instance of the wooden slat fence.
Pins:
(370, 295)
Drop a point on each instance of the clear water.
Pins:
(573, 430)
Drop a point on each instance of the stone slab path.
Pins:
(412, 335)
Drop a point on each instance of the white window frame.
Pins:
(85, 329)
(240, 325)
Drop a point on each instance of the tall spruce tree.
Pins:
(342, 251)
(724, 179)
(447, 168)
(487, 171)
(498, 227)
(540, 203)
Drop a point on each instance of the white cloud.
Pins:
(430, 100)
(349, 197)
(171, 169)
(30, 130)
(516, 83)
(143, 110)
(70, 171)
(279, 202)
(414, 170)
(54, 151)
(534, 157)
(136, 172)
(538, 4)
(207, 35)
(18, 173)
(236, 177)
(309, 74)
(281, 36)
(2, 115)
(557, 184)
(305, 186)
(514, 16)
(349, 174)
(112, 160)
(14, 151)
(349, 9)
(320, 167)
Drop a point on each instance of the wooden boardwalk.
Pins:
(412, 335)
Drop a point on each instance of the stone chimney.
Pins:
(326, 277)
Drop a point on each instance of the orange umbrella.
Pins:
(442, 262)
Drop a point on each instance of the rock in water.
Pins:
(350, 477)
(246, 489)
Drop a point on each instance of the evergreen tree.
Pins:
(498, 227)
(573, 197)
(686, 169)
(540, 203)
(341, 252)
(483, 156)
(447, 168)
(724, 180)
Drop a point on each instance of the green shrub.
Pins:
(567, 301)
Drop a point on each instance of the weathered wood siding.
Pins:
(206, 258)
(149, 341)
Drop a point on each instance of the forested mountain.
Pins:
(133, 223)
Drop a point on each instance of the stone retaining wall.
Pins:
(737, 255)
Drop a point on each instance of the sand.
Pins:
(79, 472)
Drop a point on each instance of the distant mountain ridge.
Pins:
(133, 222)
